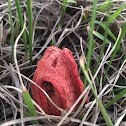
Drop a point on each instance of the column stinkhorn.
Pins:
(57, 74)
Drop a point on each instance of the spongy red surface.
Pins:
(57, 74)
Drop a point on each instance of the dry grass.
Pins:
(74, 35)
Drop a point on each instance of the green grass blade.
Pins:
(120, 95)
(64, 8)
(105, 5)
(93, 16)
(29, 103)
(17, 25)
(52, 42)
(104, 26)
(22, 24)
(105, 115)
(100, 36)
(65, 2)
(116, 49)
(63, 12)
(116, 13)
(91, 34)
(30, 26)
(12, 31)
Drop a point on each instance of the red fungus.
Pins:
(57, 74)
